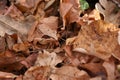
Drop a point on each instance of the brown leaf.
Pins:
(3, 6)
(63, 73)
(10, 26)
(96, 78)
(110, 69)
(14, 13)
(70, 11)
(27, 5)
(49, 26)
(95, 39)
(110, 12)
(36, 73)
(6, 75)
(94, 69)
(69, 73)
(2, 44)
(69, 53)
(19, 77)
(30, 60)
(48, 59)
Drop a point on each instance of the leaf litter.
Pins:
(59, 40)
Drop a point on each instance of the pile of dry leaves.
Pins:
(58, 40)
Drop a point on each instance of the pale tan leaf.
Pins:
(69, 73)
(48, 59)
(96, 78)
(70, 11)
(110, 69)
(6, 75)
(95, 39)
(110, 12)
(49, 26)
(10, 26)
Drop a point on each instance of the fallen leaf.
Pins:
(95, 39)
(94, 69)
(69, 73)
(30, 60)
(6, 75)
(10, 26)
(22, 47)
(70, 11)
(96, 78)
(69, 53)
(49, 26)
(110, 69)
(36, 73)
(48, 59)
(14, 13)
(3, 6)
(63, 73)
(3, 44)
(19, 77)
(110, 12)
(27, 5)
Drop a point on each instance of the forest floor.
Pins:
(59, 40)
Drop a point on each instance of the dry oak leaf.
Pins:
(30, 60)
(5, 75)
(63, 73)
(110, 69)
(10, 26)
(14, 12)
(49, 26)
(96, 78)
(69, 73)
(99, 39)
(37, 73)
(48, 59)
(27, 5)
(95, 69)
(70, 11)
(110, 12)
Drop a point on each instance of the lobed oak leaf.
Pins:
(95, 39)
(63, 73)
(110, 12)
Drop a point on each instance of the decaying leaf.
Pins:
(3, 6)
(96, 78)
(69, 73)
(3, 44)
(30, 60)
(63, 73)
(98, 39)
(26, 5)
(14, 13)
(70, 11)
(5, 75)
(110, 12)
(48, 59)
(10, 26)
(110, 69)
(49, 27)
(37, 72)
